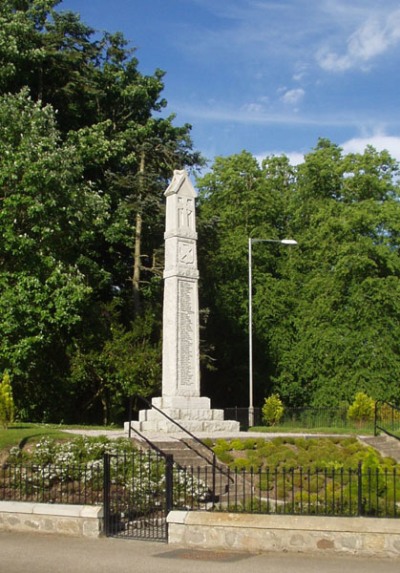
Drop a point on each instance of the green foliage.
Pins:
(326, 314)
(237, 445)
(272, 410)
(316, 453)
(45, 210)
(141, 474)
(7, 408)
(80, 450)
(83, 163)
(84, 159)
(128, 362)
(362, 409)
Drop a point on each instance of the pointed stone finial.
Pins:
(180, 211)
(180, 185)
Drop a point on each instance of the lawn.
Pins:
(21, 433)
(366, 430)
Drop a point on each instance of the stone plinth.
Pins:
(193, 413)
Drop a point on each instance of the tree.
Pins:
(344, 325)
(48, 219)
(238, 199)
(85, 191)
(106, 370)
(326, 313)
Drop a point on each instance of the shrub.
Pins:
(272, 411)
(6, 401)
(237, 445)
(362, 409)
(241, 464)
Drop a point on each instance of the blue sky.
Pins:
(268, 76)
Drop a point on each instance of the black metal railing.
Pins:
(329, 491)
(140, 489)
(137, 494)
(387, 419)
(70, 484)
(309, 418)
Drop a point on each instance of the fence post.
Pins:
(214, 467)
(106, 494)
(130, 417)
(359, 490)
(169, 482)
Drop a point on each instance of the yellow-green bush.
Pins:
(272, 410)
(362, 409)
(7, 408)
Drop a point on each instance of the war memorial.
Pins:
(181, 398)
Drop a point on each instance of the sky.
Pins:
(268, 76)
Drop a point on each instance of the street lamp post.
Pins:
(251, 241)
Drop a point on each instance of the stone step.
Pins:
(196, 459)
(387, 446)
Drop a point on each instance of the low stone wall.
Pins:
(77, 520)
(258, 533)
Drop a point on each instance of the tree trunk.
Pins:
(137, 262)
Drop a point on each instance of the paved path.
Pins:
(202, 435)
(39, 553)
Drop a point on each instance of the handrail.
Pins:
(149, 442)
(169, 460)
(214, 465)
(377, 427)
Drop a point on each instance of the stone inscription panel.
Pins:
(186, 332)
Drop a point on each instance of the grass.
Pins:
(23, 433)
(20, 434)
(348, 430)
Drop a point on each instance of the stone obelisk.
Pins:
(181, 398)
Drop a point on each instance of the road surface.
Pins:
(40, 553)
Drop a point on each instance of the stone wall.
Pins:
(255, 533)
(78, 520)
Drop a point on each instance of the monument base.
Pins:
(193, 413)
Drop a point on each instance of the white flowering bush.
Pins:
(54, 470)
(188, 489)
(78, 463)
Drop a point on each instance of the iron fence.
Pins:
(70, 484)
(329, 491)
(137, 494)
(142, 489)
(299, 418)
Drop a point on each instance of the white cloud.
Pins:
(293, 97)
(379, 142)
(354, 145)
(254, 107)
(295, 157)
(370, 40)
